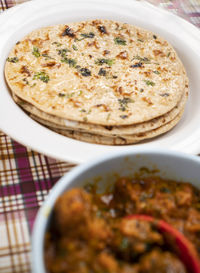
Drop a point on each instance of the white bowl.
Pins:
(172, 165)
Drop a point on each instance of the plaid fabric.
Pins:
(26, 177)
(5, 4)
(188, 9)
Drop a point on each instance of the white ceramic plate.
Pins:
(18, 21)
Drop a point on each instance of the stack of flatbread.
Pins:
(98, 81)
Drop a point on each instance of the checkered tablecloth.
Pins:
(26, 177)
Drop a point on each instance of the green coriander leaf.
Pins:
(13, 60)
(119, 41)
(156, 72)
(149, 83)
(36, 52)
(75, 47)
(142, 60)
(105, 61)
(63, 52)
(47, 57)
(69, 61)
(124, 103)
(41, 76)
(56, 43)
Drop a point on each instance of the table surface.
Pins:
(26, 177)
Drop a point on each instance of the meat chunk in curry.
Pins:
(89, 232)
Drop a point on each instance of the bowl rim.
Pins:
(41, 219)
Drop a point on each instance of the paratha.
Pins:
(119, 140)
(60, 123)
(97, 72)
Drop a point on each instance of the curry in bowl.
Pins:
(89, 231)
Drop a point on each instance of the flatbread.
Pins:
(59, 123)
(123, 140)
(100, 72)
